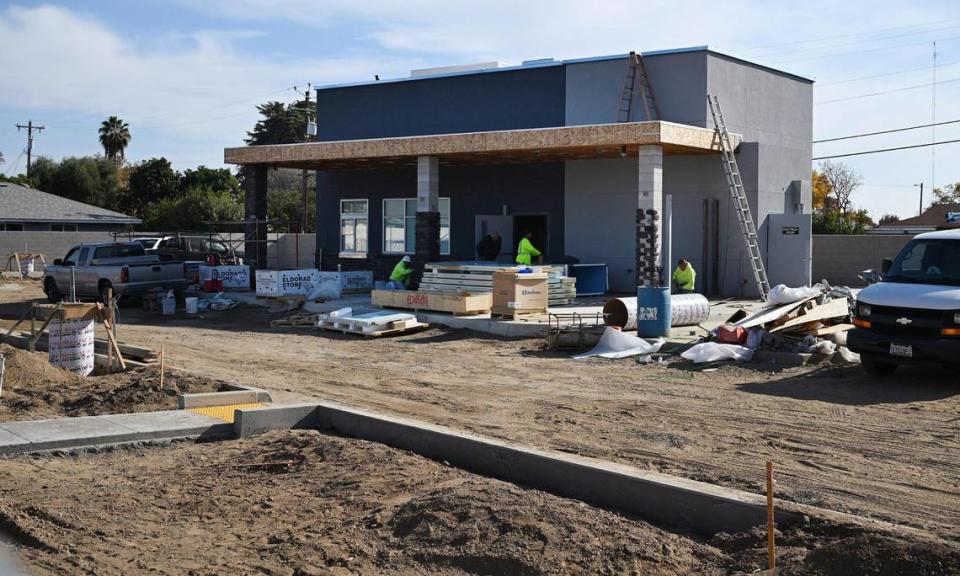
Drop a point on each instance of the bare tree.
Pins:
(843, 182)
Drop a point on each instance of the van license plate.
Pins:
(901, 350)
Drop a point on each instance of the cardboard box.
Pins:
(280, 283)
(520, 291)
(233, 277)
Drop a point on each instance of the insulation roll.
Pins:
(686, 310)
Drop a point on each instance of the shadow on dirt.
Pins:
(851, 386)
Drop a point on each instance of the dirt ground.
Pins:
(884, 449)
(33, 389)
(305, 503)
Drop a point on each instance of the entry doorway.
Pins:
(537, 224)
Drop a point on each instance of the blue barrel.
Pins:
(653, 311)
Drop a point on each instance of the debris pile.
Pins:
(806, 320)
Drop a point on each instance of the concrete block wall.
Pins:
(840, 258)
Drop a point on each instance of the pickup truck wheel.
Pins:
(51, 290)
(874, 367)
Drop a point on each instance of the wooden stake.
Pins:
(106, 326)
(163, 358)
(771, 543)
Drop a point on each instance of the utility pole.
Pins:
(921, 197)
(305, 173)
(29, 127)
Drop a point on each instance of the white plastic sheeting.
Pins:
(714, 351)
(617, 344)
(781, 294)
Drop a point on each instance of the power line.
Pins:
(16, 163)
(878, 49)
(887, 149)
(868, 95)
(834, 37)
(896, 73)
(865, 134)
(863, 41)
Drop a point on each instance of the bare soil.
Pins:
(305, 503)
(886, 449)
(33, 389)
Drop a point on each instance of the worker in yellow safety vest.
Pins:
(400, 277)
(684, 278)
(526, 251)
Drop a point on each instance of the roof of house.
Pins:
(22, 204)
(549, 62)
(932, 217)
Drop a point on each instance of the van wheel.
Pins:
(876, 368)
(52, 292)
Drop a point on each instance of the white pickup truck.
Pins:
(124, 267)
(913, 314)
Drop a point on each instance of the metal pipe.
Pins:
(666, 248)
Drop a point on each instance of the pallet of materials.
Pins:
(474, 278)
(369, 323)
(456, 303)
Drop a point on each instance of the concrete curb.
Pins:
(686, 504)
(234, 394)
(28, 436)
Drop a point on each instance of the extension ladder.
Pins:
(747, 227)
(636, 72)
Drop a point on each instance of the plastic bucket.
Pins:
(169, 306)
(191, 304)
(653, 311)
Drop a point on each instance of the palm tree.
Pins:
(114, 136)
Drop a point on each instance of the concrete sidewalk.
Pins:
(68, 433)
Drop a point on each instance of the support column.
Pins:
(427, 240)
(649, 203)
(255, 214)
(319, 233)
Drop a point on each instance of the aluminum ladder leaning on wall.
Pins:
(747, 227)
(637, 73)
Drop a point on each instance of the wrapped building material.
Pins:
(686, 310)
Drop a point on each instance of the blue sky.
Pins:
(186, 74)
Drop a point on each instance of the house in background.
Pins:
(24, 209)
(932, 218)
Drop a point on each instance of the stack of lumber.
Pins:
(475, 278)
(370, 323)
(456, 303)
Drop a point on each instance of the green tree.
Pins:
(151, 181)
(114, 137)
(216, 179)
(949, 194)
(87, 179)
(192, 210)
(285, 206)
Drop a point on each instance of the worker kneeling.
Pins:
(684, 278)
(400, 277)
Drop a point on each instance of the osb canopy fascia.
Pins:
(497, 147)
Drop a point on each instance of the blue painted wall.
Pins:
(524, 98)
(523, 188)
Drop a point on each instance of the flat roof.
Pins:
(550, 62)
(495, 147)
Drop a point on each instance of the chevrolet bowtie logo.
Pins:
(904, 321)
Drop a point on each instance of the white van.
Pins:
(913, 314)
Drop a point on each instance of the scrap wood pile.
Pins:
(806, 320)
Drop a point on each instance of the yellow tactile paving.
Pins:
(224, 413)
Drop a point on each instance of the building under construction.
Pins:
(585, 154)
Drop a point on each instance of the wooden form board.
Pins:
(831, 309)
(464, 303)
(770, 314)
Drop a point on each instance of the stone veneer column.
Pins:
(428, 210)
(255, 208)
(649, 202)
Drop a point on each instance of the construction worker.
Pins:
(489, 247)
(526, 251)
(400, 277)
(684, 278)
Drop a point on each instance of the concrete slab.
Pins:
(171, 424)
(69, 433)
